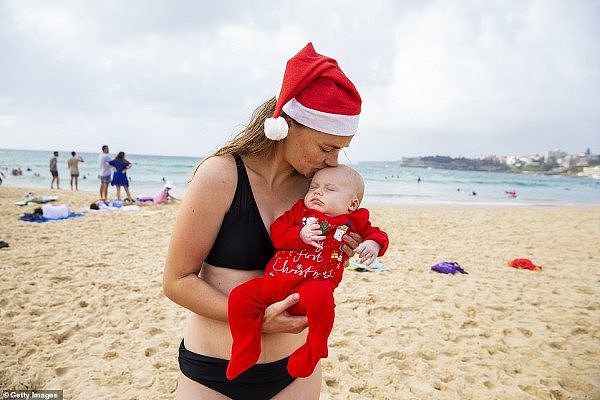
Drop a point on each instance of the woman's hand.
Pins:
(278, 320)
(351, 242)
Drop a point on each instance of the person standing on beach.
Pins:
(121, 165)
(54, 170)
(105, 172)
(233, 196)
(73, 164)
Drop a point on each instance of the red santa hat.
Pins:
(316, 93)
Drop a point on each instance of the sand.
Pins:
(82, 307)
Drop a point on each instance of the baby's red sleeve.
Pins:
(285, 230)
(370, 232)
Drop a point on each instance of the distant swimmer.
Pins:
(419, 179)
(474, 193)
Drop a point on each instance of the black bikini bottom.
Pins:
(262, 381)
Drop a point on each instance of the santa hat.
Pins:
(316, 93)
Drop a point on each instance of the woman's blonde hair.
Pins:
(252, 140)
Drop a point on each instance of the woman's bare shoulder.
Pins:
(215, 173)
(208, 198)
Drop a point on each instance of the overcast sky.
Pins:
(180, 77)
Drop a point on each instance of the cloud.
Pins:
(472, 73)
(459, 78)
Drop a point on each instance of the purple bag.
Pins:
(447, 267)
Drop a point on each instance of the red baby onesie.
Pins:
(296, 268)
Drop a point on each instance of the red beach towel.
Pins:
(523, 263)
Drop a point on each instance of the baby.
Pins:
(309, 260)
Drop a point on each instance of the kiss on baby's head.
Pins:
(335, 191)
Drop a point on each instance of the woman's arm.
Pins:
(209, 195)
(200, 217)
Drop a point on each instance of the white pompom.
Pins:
(276, 128)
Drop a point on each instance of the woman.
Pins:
(119, 178)
(221, 235)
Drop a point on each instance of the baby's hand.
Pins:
(367, 251)
(311, 234)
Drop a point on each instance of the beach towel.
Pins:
(36, 217)
(35, 199)
(375, 266)
(103, 207)
(448, 267)
(523, 263)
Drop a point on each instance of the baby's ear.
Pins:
(354, 205)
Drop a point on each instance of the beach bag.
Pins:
(448, 267)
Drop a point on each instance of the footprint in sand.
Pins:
(159, 365)
(63, 278)
(556, 345)
(427, 355)
(154, 331)
(468, 324)
(471, 312)
(357, 389)
(558, 395)
(525, 332)
(35, 312)
(579, 331)
(584, 290)
(578, 384)
(534, 391)
(150, 352)
(332, 383)
(489, 385)
(396, 355)
(110, 355)
(61, 337)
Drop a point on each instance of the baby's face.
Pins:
(332, 192)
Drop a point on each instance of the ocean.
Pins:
(386, 183)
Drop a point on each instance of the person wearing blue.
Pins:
(119, 179)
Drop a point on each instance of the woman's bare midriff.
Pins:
(212, 338)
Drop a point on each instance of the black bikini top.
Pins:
(243, 241)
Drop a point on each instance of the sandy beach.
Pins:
(82, 308)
